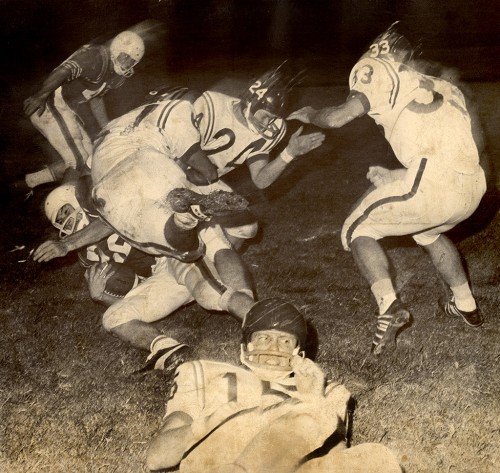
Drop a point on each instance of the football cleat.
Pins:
(204, 207)
(472, 318)
(167, 359)
(388, 326)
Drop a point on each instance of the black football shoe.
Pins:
(388, 326)
(472, 318)
(167, 359)
(204, 207)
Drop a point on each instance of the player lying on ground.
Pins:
(426, 122)
(140, 289)
(133, 162)
(69, 109)
(268, 416)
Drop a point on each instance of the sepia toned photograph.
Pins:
(250, 236)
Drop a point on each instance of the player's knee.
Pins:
(115, 316)
(245, 232)
(206, 296)
(154, 459)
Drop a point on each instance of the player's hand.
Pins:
(302, 144)
(309, 379)
(49, 250)
(379, 176)
(97, 276)
(35, 103)
(303, 114)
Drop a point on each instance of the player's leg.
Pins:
(131, 319)
(382, 212)
(60, 126)
(239, 227)
(443, 252)
(448, 263)
(287, 434)
(364, 458)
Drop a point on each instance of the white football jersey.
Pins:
(422, 116)
(201, 387)
(166, 126)
(227, 141)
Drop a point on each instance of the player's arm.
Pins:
(197, 166)
(180, 432)
(265, 172)
(36, 103)
(333, 117)
(92, 233)
(171, 442)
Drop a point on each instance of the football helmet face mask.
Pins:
(63, 210)
(263, 101)
(273, 332)
(126, 49)
(391, 45)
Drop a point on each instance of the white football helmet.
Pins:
(127, 49)
(273, 314)
(63, 210)
(392, 46)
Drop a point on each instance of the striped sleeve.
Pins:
(188, 391)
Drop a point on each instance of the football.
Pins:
(122, 281)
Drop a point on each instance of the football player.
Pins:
(241, 131)
(268, 415)
(139, 159)
(427, 123)
(111, 257)
(69, 109)
(141, 289)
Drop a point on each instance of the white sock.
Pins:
(186, 221)
(39, 177)
(464, 300)
(384, 293)
(161, 342)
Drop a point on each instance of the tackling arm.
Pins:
(265, 172)
(36, 103)
(332, 117)
(92, 233)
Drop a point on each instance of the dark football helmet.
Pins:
(272, 314)
(269, 93)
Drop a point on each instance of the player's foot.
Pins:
(167, 359)
(388, 326)
(472, 318)
(204, 207)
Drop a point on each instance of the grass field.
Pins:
(68, 400)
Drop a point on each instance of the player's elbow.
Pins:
(158, 459)
(261, 182)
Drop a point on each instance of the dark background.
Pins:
(38, 34)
